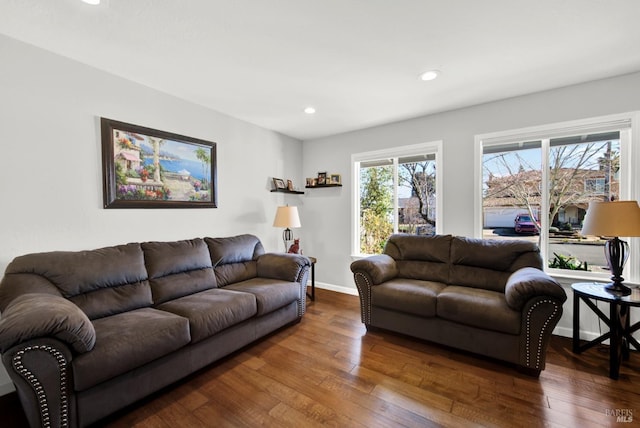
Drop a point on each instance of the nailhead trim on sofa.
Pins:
(367, 314)
(544, 327)
(39, 389)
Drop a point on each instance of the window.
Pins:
(396, 191)
(595, 186)
(536, 184)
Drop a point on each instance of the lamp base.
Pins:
(617, 289)
(287, 236)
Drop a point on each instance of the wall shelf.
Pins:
(323, 185)
(295, 192)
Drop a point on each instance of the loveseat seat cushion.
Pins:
(477, 307)
(270, 294)
(407, 295)
(234, 258)
(178, 268)
(126, 341)
(101, 282)
(211, 311)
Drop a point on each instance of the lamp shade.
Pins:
(612, 219)
(287, 217)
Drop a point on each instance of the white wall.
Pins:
(50, 161)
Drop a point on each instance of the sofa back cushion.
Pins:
(234, 259)
(101, 282)
(178, 268)
(488, 263)
(421, 257)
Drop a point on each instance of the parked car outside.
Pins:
(524, 224)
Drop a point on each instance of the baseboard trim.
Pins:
(337, 288)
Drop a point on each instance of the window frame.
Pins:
(628, 124)
(432, 147)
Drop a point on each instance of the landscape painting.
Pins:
(147, 168)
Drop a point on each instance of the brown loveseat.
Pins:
(86, 333)
(489, 297)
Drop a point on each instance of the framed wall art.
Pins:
(148, 168)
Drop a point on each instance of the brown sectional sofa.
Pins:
(489, 297)
(86, 333)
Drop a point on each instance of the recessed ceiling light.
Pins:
(92, 2)
(310, 110)
(429, 75)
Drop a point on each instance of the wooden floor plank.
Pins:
(328, 370)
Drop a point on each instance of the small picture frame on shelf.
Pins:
(290, 185)
(322, 178)
(279, 183)
(310, 182)
(335, 179)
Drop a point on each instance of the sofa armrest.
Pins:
(41, 373)
(379, 268)
(527, 283)
(283, 266)
(36, 315)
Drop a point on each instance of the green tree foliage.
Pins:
(376, 207)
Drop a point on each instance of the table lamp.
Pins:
(611, 220)
(287, 217)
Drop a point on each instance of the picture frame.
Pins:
(322, 178)
(279, 183)
(290, 185)
(148, 168)
(335, 179)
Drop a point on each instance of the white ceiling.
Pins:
(356, 61)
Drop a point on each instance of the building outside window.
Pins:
(536, 184)
(396, 191)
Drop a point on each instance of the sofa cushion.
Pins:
(101, 282)
(270, 294)
(234, 258)
(420, 257)
(477, 307)
(487, 263)
(178, 268)
(211, 311)
(407, 295)
(126, 341)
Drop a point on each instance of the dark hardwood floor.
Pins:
(328, 370)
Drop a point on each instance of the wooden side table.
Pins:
(620, 328)
(312, 296)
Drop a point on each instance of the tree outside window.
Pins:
(396, 195)
(580, 169)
